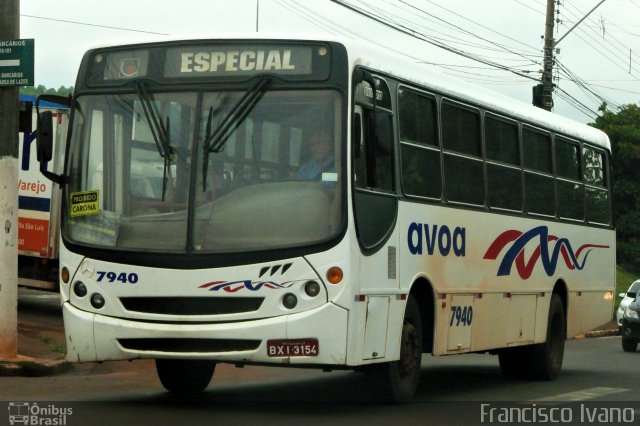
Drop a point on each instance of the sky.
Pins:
(599, 60)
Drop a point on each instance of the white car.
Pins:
(627, 298)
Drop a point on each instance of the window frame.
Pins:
(419, 145)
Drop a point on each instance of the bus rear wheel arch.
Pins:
(540, 361)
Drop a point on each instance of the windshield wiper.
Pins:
(215, 142)
(159, 130)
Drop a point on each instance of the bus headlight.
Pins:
(289, 300)
(80, 289)
(312, 288)
(97, 301)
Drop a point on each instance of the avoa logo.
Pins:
(422, 237)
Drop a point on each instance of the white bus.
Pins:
(39, 200)
(438, 218)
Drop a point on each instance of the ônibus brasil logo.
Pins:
(548, 252)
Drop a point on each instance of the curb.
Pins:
(598, 333)
(31, 368)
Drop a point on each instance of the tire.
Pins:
(397, 381)
(629, 344)
(183, 376)
(542, 361)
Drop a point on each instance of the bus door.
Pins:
(376, 207)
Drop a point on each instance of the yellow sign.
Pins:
(85, 203)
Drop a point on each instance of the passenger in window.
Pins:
(322, 159)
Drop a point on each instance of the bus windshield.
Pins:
(186, 171)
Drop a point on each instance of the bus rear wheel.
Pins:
(397, 381)
(185, 376)
(542, 361)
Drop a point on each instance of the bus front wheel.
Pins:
(397, 381)
(185, 376)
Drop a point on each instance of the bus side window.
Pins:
(373, 156)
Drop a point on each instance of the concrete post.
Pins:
(9, 30)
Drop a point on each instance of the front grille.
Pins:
(192, 305)
(189, 345)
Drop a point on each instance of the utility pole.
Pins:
(543, 92)
(257, 16)
(9, 30)
(547, 71)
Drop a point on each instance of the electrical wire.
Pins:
(91, 25)
(482, 26)
(614, 49)
(577, 104)
(463, 30)
(418, 35)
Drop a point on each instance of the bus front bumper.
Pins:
(95, 337)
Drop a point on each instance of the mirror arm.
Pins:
(56, 178)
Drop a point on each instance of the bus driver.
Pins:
(321, 160)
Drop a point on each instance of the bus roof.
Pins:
(369, 55)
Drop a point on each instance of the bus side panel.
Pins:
(39, 205)
(585, 311)
(494, 275)
(38, 197)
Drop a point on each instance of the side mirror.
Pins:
(45, 137)
(44, 146)
(622, 295)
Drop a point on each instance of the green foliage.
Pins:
(623, 129)
(40, 90)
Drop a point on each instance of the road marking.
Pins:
(583, 394)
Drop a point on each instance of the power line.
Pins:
(445, 36)
(616, 89)
(482, 26)
(420, 36)
(91, 25)
(623, 51)
(529, 7)
(500, 46)
(585, 88)
(576, 103)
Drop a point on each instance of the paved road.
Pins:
(451, 392)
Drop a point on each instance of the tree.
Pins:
(623, 129)
(40, 90)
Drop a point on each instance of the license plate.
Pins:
(298, 347)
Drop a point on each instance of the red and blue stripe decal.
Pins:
(547, 256)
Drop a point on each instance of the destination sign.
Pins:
(242, 60)
(212, 61)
